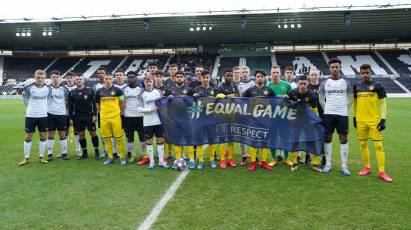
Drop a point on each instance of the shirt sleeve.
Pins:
(321, 94)
(97, 97)
(70, 103)
(26, 94)
(349, 94)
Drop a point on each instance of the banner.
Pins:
(257, 121)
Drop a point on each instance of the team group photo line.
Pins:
(275, 117)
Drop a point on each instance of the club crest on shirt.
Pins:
(164, 92)
(371, 88)
(113, 93)
(212, 92)
(282, 88)
(185, 91)
(85, 97)
(307, 99)
(265, 92)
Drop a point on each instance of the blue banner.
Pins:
(258, 121)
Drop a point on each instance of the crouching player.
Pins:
(303, 95)
(370, 111)
(110, 103)
(151, 121)
(205, 90)
(259, 90)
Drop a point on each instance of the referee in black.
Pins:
(82, 113)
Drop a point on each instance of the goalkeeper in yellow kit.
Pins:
(370, 111)
(110, 103)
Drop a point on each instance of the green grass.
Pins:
(86, 195)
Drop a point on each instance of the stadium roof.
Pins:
(304, 26)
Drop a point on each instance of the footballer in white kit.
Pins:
(36, 96)
(57, 115)
(336, 96)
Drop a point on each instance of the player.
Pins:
(110, 103)
(205, 90)
(35, 97)
(121, 84)
(101, 73)
(83, 114)
(227, 88)
(370, 111)
(71, 85)
(151, 121)
(314, 76)
(236, 75)
(280, 88)
(289, 76)
(259, 90)
(303, 95)
(57, 115)
(181, 89)
(243, 85)
(172, 70)
(133, 119)
(335, 98)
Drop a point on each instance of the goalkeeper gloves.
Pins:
(381, 126)
(220, 95)
(354, 121)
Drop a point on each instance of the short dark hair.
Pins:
(365, 66)
(159, 72)
(131, 72)
(228, 71)
(71, 74)
(56, 72)
(172, 65)
(259, 71)
(334, 60)
(152, 64)
(289, 68)
(303, 78)
(205, 72)
(79, 74)
(180, 73)
(101, 68)
(119, 71)
(199, 66)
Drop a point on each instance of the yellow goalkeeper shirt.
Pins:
(109, 101)
(369, 98)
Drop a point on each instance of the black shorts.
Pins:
(132, 124)
(56, 122)
(81, 122)
(98, 120)
(155, 130)
(32, 122)
(332, 122)
(122, 121)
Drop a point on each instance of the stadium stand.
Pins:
(353, 60)
(137, 63)
(188, 62)
(302, 62)
(63, 64)
(22, 68)
(263, 62)
(405, 81)
(400, 60)
(227, 62)
(389, 85)
(89, 65)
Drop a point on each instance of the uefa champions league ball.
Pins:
(179, 164)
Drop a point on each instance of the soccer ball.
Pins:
(179, 164)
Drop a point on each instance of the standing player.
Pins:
(236, 75)
(83, 114)
(121, 84)
(57, 115)
(303, 95)
(101, 73)
(243, 85)
(280, 89)
(151, 121)
(259, 90)
(336, 97)
(172, 70)
(289, 76)
(71, 85)
(133, 119)
(314, 76)
(205, 90)
(370, 111)
(227, 88)
(35, 98)
(181, 89)
(197, 82)
(110, 103)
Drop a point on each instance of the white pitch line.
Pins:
(155, 212)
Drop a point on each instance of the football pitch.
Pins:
(87, 195)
